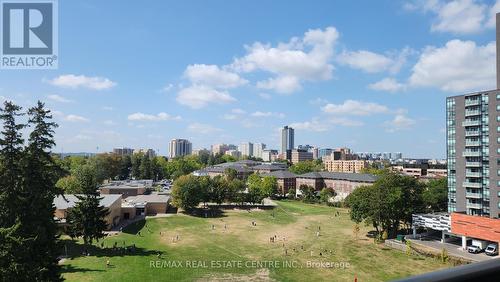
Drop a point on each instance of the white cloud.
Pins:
(148, 117)
(76, 118)
(202, 128)
(459, 66)
(317, 125)
(458, 16)
(109, 122)
(318, 101)
(58, 98)
(387, 84)
(281, 84)
(313, 125)
(230, 116)
(352, 107)
(238, 111)
(107, 108)
(267, 114)
(306, 58)
(199, 96)
(82, 81)
(365, 60)
(400, 122)
(492, 15)
(212, 75)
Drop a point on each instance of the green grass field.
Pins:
(243, 251)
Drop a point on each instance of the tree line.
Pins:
(189, 190)
(389, 203)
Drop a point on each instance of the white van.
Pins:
(492, 250)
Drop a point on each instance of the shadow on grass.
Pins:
(73, 249)
(71, 269)
(134, 227)
(211, 212)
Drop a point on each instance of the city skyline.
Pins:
(331, 78)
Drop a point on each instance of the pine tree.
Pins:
(40, 174)
(12, 252)
(86, 218)
(11, 152)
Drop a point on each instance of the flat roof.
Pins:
(360, 177)
(63, 202)
(151, 198)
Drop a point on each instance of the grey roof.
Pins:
(151, 198)
(358, 177)
(270, 166)
(280, 174)
(69, 200)
(221, 169)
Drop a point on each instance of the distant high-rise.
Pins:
(123, 151)
(179, 147)
(258, 148)
(246, 149)
(287, 139)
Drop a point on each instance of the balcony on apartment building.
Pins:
(474, 206)
(467, 153)
(472, 132)
(473, 174)
(472, 102)
(471, 122)
(473, 195)
(469, 113)
(472, 164)
(471, 184)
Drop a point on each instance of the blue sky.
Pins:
(370, 75)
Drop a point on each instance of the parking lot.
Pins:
(453, 247)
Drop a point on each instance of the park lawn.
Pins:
(297, 222)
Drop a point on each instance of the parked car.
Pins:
(474, 249)
(492, 250)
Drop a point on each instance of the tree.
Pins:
(145, 169)
(69, 185)
(305, 167)
(136, 163)
(388, 203)
(125, 168)
(186, 193)
(86, 218)
(291, 193)
(308, 193)
(325, 194)
(13, 254)
(269, 186)
(435, 195)
(254, 184)
(39, 189)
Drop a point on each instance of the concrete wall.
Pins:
(155, 208)
(125, 192)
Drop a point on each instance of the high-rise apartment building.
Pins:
(258, 149)
(287, 139)
(179, 147)
(123, 151)
(246, 149)
(148, 152)
(473, 138)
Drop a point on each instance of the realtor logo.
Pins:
(28, 34)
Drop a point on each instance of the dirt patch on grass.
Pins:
(259, 275)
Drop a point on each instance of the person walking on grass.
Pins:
(108, 264)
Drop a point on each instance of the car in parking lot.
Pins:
(491, 250)
(474, 249)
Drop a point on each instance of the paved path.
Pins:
(453, 250)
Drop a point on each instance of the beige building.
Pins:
(65, 203)
(126, 188)
(349, 166)
(301, 155)
(141, 205)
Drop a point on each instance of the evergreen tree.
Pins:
(86, 218)
(125, 168)
(40, 174)
(12, 253)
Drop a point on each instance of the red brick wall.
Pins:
(476, 226)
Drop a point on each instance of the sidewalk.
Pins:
(452, 249)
